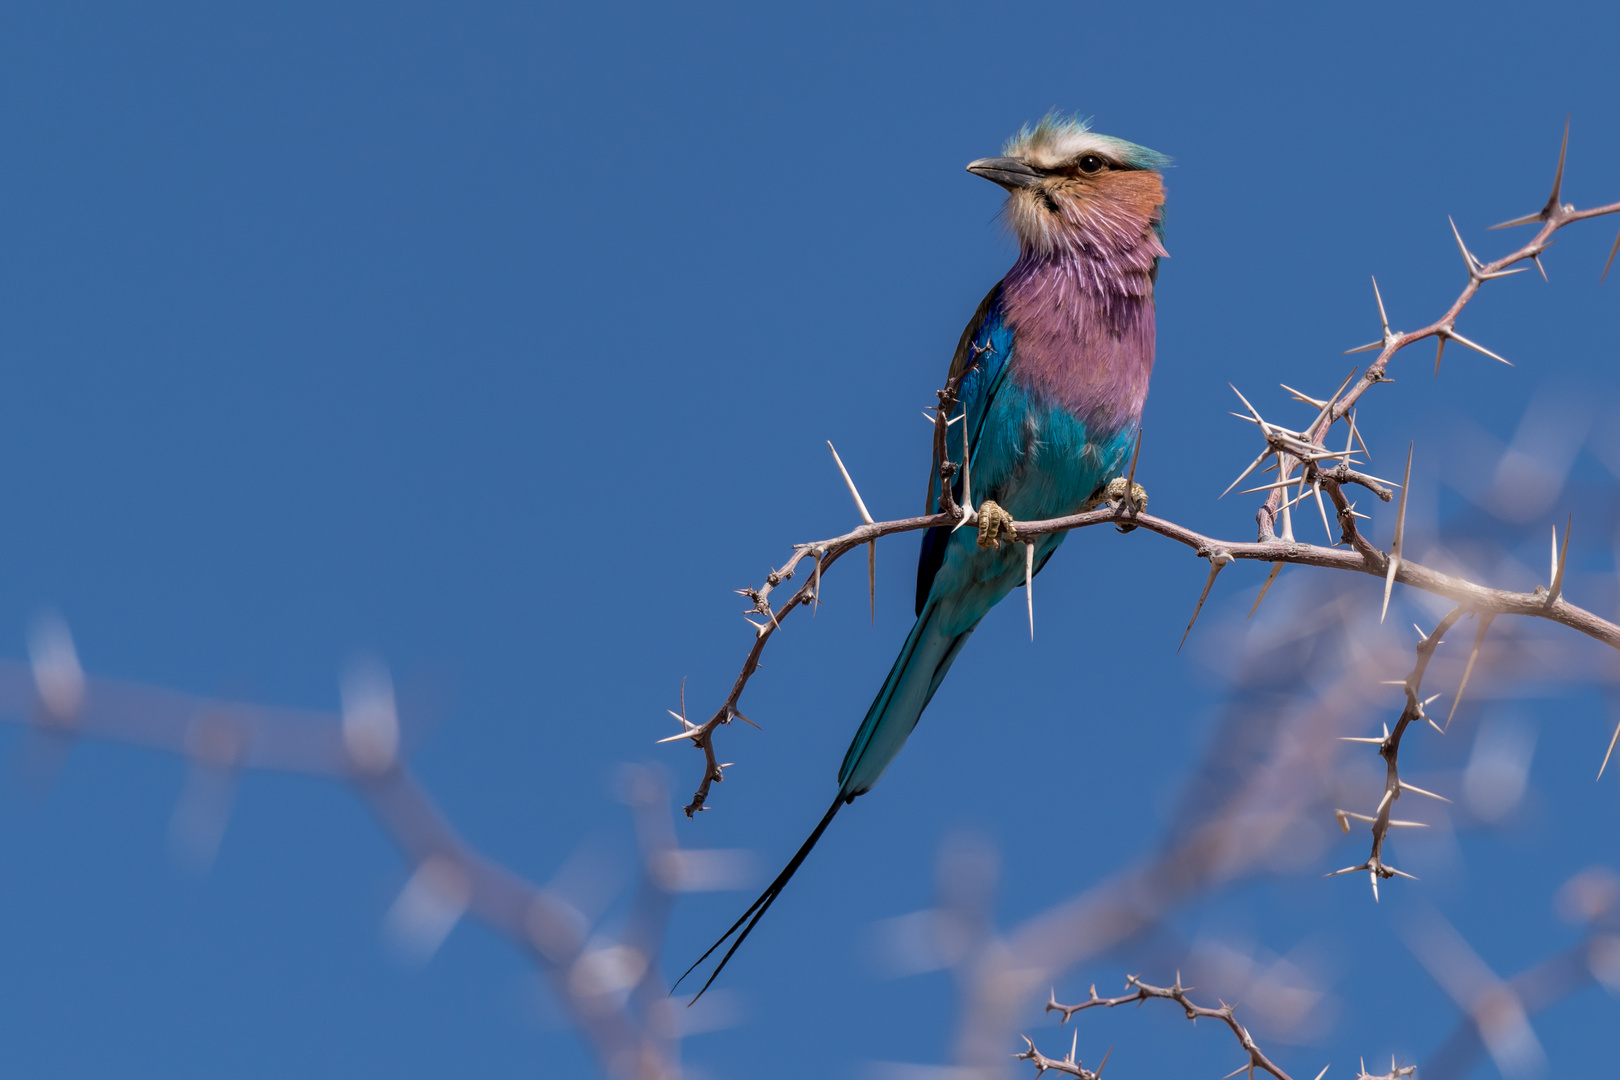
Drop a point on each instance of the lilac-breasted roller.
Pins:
(1054, 369)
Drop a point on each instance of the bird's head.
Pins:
(1071, 188)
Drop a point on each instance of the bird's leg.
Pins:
(995, 525)
(1113, 493)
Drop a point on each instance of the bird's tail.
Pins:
(916, 674)
(756, 911)
(927, 655)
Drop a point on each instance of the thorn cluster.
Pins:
(1389, 748)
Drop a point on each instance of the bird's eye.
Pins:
(1091, 163)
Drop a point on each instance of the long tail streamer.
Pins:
(756, 911)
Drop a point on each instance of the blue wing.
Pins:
(981, 359)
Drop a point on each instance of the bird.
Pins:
(1053, 373)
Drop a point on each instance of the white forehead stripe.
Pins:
(1057, 140)
(1049, 149)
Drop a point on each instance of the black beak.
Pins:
(1010, 172)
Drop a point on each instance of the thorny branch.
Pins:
(1286, 446)
(1389, 748)
(1480, 599)
(614, 992)
(1321, 472)
(1494, 1020)
(1265, 772)
(1071, 1066)
(1303, 468)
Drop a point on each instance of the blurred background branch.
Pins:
(611, 986)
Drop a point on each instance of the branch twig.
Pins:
(1070, 1065)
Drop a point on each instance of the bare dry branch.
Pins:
(1362, 558)
(1226, 1014)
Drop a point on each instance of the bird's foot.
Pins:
(1123, 502)
(1114, 494)
(995, 525)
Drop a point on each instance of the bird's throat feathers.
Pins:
(1080, 297)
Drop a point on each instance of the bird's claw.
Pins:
(995, 525)
(1117, 499)
(1114, 494)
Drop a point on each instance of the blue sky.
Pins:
(503, 341)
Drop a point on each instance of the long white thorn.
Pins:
(1357, 433)
(1329, 406)
(1303, 398)
(1419, 791)
(854, 494)
(1246, 405)
(1468, 256)
(1560, 560)
(967, 477)
(871, 546)
(1400, 529)
(1290, 482)
(967, 466)
(1347, 870)
(1552, 200)
(1276, 568)
(1558, 177)
(1217, 563)
(1485, 619)
(871, 577)
(1552, 575)
(1615, 738)
(1297, 499)
(1029, 583)
(1241, 476)
(1528, 219)
(1459, 339)
(1317, 488)
(1383, 321)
